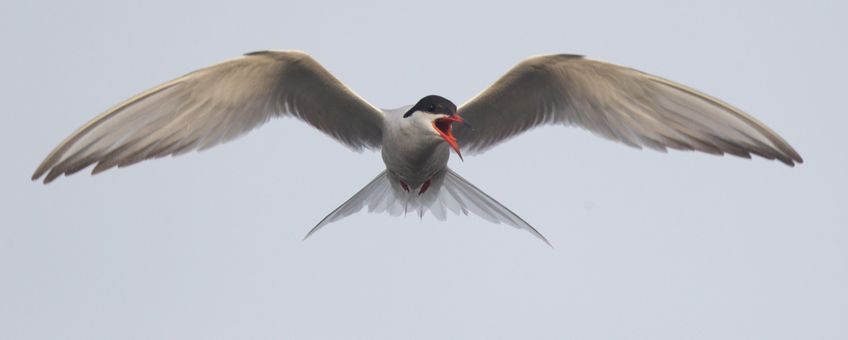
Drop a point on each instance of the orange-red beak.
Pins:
(443, 127)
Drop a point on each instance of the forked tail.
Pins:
(447, 192)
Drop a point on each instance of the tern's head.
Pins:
(438, 113)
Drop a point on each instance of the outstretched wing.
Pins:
(214, 105)
(615, 102)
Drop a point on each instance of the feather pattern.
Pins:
(214, 105)
(615, 102)
(448, 192)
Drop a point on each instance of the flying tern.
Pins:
(224, 101)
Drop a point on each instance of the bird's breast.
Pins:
(415, 161)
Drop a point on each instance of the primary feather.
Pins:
(615, 102)
(214, 105)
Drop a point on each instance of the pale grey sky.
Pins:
(208, 245)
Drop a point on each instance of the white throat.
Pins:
(412, 148)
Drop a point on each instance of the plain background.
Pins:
(208, 245)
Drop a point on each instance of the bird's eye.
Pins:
(431, 108)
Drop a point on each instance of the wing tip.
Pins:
(785, 154)
(44, 171)
(792, 160)
(795, 156)
(46, 165)
(36, 177)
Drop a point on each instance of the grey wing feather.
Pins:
(214, 105)
(615, 102)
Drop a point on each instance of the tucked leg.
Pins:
(424, 187)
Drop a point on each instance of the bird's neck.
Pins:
(412, 152)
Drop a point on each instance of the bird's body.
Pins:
(411, 153)
(224, 101)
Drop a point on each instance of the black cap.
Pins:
(433, 104)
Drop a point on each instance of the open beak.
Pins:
(443, 127)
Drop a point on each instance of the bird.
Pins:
(224, 101)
